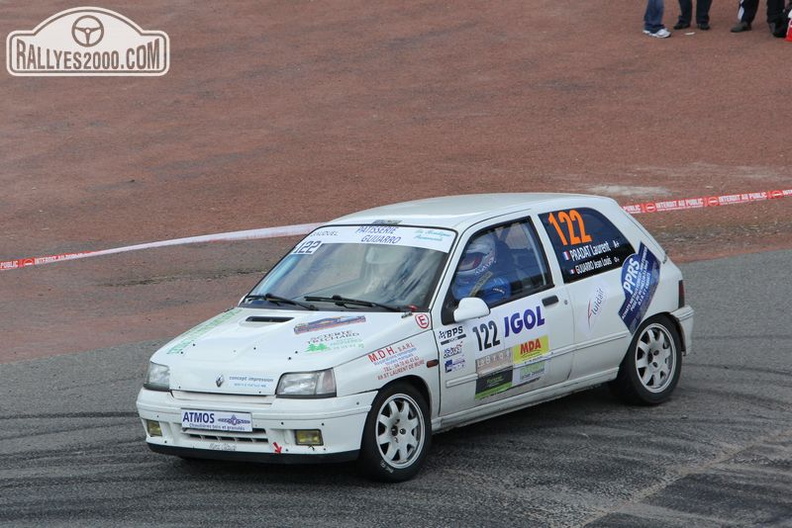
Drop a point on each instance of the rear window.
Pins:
(585, 242)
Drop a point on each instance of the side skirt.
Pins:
(490, 410)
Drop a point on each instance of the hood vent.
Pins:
(267, 319)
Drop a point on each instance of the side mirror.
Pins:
(470, 308)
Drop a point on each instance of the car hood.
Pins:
(245, 350)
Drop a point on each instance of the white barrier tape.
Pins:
(302, 229)
(251, 234)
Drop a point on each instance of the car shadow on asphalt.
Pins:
(455, 450)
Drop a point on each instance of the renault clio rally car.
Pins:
(383, 327)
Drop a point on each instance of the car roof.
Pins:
(462, 211)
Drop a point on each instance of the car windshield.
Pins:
(371, 267)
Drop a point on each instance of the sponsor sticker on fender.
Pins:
(396, 359)
(189, 337)
(640, 275)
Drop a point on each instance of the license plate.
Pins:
(217, 421)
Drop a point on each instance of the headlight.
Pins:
(319, 384)
(157, 377)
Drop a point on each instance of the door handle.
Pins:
(548, 301)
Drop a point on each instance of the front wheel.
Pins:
(650, 370)
(397, 434)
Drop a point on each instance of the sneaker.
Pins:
(660, 33)
(778, 29)
(741, 26)
(681, 25)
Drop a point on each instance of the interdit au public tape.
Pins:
(303, 229)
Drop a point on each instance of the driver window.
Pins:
(501, 264)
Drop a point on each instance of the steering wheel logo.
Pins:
(87, 31)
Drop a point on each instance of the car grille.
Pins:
(256, 437)
(230, 402)
(224, 399)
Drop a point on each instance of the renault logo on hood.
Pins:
(220, 379)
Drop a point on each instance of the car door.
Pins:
(592, 252)
(521, 337)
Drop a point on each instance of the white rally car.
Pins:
(383, 327)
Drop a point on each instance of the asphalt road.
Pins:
(718, 454)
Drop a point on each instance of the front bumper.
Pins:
(275, 420)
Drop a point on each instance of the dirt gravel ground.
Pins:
(278, 113)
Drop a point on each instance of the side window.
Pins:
(585, 242)
(501, 264)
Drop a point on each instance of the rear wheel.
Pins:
(397, 434)
(651, 368)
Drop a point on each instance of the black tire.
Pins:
(651, 368)
(397, 434)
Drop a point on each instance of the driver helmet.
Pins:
(478, 258)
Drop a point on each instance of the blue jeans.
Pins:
(653, 18)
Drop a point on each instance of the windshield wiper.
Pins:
(343, 301)
(277, 299)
